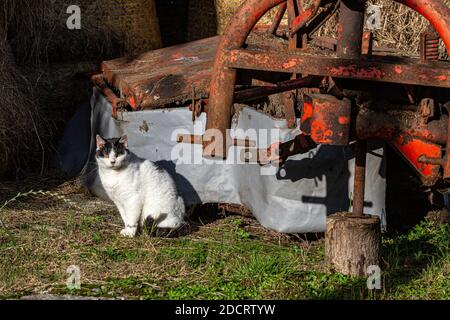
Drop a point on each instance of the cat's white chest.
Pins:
(119, 184)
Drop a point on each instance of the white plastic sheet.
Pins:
(295, 198)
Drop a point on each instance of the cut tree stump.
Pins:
(352, 243)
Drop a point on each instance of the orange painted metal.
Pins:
(446, 164)
(412, 149)
(305, 16)
(326, 119)
(224, 77)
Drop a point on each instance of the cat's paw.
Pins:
(128, 232)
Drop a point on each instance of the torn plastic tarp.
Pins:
(294, 198)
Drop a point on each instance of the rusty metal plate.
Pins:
(326, 119)
(163, 76)
(376, 68)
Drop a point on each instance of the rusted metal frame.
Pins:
(289, 101)
(302, 19)
(387, 126)
(322, 17)
(300, 144)
(429, 45)
(377, 68)
(294, 10)
(437, 13)
(278, 152)
(349, 45)
(198, 139)
(350, 28)
(415, 142)
(116, 102)
(277, 19)
(288, 98)
(264, 91)
(359, 178)
(224, 77)
(367, 43)
(432, 161)
(447, 151)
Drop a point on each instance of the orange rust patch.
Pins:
(343, 120)
(132, 102)
(307, 111)
(354, 71)
(177, 55)
(289, 64)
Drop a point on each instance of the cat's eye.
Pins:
(105, 154)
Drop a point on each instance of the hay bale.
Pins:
(207, 18)
(23, 131)
(60, 89)
(58, 61)
(109, 28)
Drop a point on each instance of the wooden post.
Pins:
(352, 242)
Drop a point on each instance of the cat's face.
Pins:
(112, 153)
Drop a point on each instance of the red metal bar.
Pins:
(405, 71)
(116, 102)
(386, 126)
(294, 10)
(264, 91)
(415, 141)
(306, 15)
(224, 78)
(360, 177)
(367, 43)
(429, 45)
(437, 13)
(447, 154)
(278, 17)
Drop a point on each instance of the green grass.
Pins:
(230, 257)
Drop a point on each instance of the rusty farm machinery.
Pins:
(339, 91)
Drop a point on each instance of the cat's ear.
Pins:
(124, 140)
(100, 142)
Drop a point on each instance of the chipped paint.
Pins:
(290, 64)
(354, 71)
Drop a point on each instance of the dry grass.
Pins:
(225, 256)
(23, 130)
(53, 236)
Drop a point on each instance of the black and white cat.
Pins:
(139, 188)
